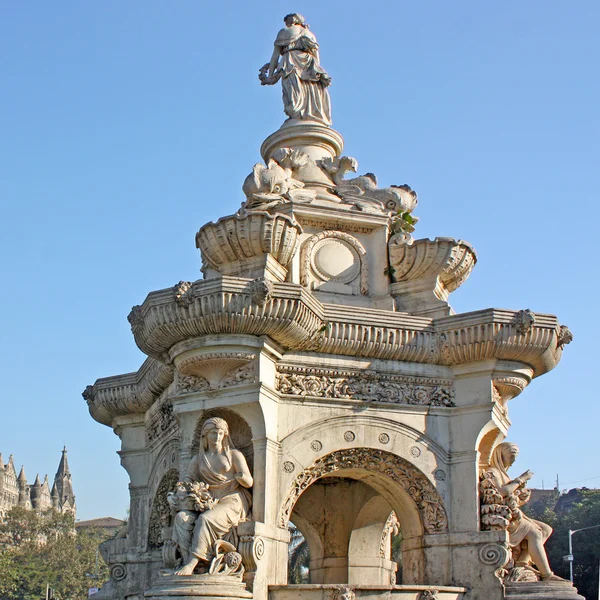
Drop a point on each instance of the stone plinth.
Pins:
(376, 592)
(192, 587)
(542, 590)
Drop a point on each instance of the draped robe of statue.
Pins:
(217, 523)
(303, 80)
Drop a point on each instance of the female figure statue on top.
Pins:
(225, 471)
(295, 61)
(526, 535)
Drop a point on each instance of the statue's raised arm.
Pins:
(295, 61)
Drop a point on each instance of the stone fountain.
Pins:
(317, 374)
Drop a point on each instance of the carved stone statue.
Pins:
(268, 186)
(211, 501)
(296, 62)
(363, 192)
(501, 502)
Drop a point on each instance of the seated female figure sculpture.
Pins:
(225, 472)
(526, 535)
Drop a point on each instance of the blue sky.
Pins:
(127, 126)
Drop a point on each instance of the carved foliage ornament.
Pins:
(161, 420)
(214, 367)
(565, 336)
(390, 529)
(343, 593)
(260, 291)
(368, 386)
(419, 488)
(524, 321)
(183, 293)
(160, 513)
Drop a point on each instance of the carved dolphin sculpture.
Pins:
(363, 188)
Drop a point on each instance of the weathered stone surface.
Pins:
(354, 396)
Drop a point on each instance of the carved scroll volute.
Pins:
(252, 549)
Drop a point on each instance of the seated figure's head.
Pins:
(215, 432)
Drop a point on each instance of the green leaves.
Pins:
(403, 222)
(43, 548)
(578, 509)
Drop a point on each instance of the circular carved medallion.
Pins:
(335, 260)
(288, 466)
(384, 438)
(415, 451)
(440, 475)
(316, 445)
(349, 436)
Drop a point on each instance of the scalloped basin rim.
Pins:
(266, 214)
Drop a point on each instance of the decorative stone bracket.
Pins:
(214, 370)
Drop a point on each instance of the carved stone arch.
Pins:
(309, 269)
(239, 431)
(409, 492)
(366, 422)
(160, 511)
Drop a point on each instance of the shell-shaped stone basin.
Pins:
(446, 258)
(247, 236)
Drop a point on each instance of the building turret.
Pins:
(64, 486)
(54, 497)
(23, 489)
(35, 493)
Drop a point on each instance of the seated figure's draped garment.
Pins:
(217, 523)
(303, 80)
(520, 524)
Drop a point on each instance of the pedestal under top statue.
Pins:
(296, 62)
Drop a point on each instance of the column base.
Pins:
(191, 587)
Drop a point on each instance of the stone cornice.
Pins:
(296, 320)
(131, 393)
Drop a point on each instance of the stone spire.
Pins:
(1, 463)
(35, 493)
(23, 488)
(63, 485)
(54, 497)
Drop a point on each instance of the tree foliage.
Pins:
(298, 557)
(585, 512)
(42, 548)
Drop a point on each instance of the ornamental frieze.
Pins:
(367, 386)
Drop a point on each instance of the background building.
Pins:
(15, 491)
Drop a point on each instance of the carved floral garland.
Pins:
(160, 508)
(367, 386)
(419, 488)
